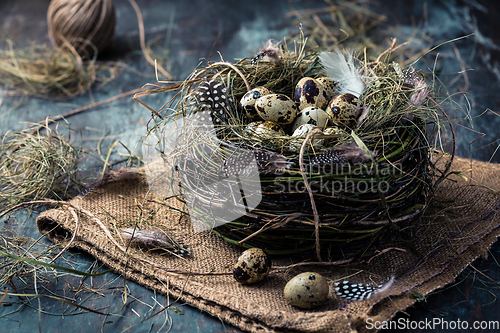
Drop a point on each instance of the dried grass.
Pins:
(36, 166)
(40, 71)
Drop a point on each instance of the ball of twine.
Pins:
(85, 25)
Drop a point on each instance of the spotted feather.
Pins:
(267, 162)
(341, 155)
(359, 291)
(212, 96)
(154, 239)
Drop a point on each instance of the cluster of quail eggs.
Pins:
(316, 103)
(306, 290)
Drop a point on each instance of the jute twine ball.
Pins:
(87, 25)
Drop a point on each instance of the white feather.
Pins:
(340, 68)
(385, 289)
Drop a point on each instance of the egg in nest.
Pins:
(276, 107)
(265, 129)
(248, 100)
(309, 92)
(344, 109)
(330, 87)
(300, 134)
(311, 115)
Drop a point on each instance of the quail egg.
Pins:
(265, 129)
(330, 89)
(252, 266)
(300, 134)
(309, 92)
(344, 109)
(311, 115)
(276, 107)
(248, 100)
(307, 290)
(334, 130)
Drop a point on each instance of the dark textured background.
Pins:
(238, 29)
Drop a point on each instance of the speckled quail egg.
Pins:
(344, 109)
(309, 92)
(276, 107)
(330, 88)
(300, 134)
(307, 290)
(334, 130)
(265, 129)
(311, 115)
(248, 100)
(252, 266)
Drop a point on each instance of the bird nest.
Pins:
(336, 186)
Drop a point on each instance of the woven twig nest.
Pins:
(364, 176)
(86, 25)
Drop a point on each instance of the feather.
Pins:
(267, 162)
(359, 291)
(364, 113)
(212, 96)
(340, 68)
(411, 77)
(269, 52)
(153, 239)
(111, 176)
(341, 155)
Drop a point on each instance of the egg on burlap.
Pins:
(306, 290)
(309, 92)
(276, 107)
(344, 109)
(311, 115)
(252, 266)
(248, 100)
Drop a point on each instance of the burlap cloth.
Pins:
(460, 226)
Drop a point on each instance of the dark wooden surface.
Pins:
(236, 29)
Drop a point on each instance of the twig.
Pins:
(4, 294)
(450, 161)
(386, 51)
(384, 251)
(143, 41)
(228, 64)
(308, 187)
(321, 263)
(75, 216)
(279, 220)
(87, 107)
(37, 202)
(390, 49)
